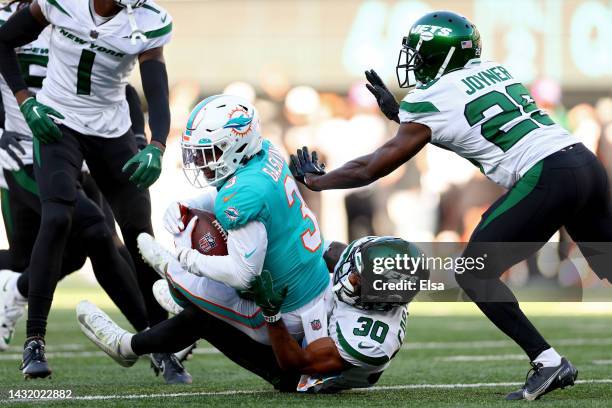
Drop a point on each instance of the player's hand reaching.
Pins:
(385, 99)
(9, 149)
(149, 166)
(266, 296)
(39, 119)
(304, 165)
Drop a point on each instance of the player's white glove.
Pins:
(173, 221)
(183, 239)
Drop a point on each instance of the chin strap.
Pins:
(137, 33)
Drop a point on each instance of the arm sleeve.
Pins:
(136, 115)
(246, 247)
(155, 86)
(21, 29)
(205, 202)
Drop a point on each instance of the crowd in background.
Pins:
(437, 196)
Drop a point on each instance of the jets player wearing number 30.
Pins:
(81, 113)
(479, 111)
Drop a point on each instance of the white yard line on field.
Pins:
(602, 362)
(72, 350)
(491, 357)
(253, 392)
(501, 343)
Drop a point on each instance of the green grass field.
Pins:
(452, 356)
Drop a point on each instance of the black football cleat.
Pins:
(34, 363)
(171, 369)
(544, 380)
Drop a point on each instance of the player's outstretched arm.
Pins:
(409, 140)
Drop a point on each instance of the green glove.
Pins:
(266, 297)
(38, 119)
(149, 162)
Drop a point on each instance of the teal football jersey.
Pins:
(264, 190)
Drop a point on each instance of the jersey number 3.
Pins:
(311, 239)
(511, 102)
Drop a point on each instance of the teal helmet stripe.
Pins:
(198, 108)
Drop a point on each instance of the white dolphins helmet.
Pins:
(222, 133)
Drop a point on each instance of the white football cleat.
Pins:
(12, 307)
(153, 253)
(103, 332)
(161, 292)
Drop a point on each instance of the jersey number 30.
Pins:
(511, 102)
(311, 239)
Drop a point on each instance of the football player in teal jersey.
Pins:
(256, 200)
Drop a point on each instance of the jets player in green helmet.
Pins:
(478, 110)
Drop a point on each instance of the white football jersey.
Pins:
(89, 65)
(485, 115)
(366, 339)
(33, 59)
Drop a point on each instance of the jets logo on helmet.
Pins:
(222, 134)
(437, 43)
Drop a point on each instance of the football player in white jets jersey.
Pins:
(478, 110)
(361, 341)
(81, 113)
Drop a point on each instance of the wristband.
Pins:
(272, 319)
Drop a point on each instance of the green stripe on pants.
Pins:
(520, 190)
(6, 212)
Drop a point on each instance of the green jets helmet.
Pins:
(438, 43)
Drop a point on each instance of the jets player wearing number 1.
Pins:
(481, 112)
(80, 114)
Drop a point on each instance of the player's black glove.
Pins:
(385, 99)
(304, 163)
(9, 146)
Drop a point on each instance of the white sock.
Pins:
(125, 346)
(548, 358)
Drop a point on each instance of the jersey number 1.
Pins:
(84, 72)
(310, 239)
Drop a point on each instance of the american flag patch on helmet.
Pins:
(466, 44)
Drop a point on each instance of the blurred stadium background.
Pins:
(302, 62)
